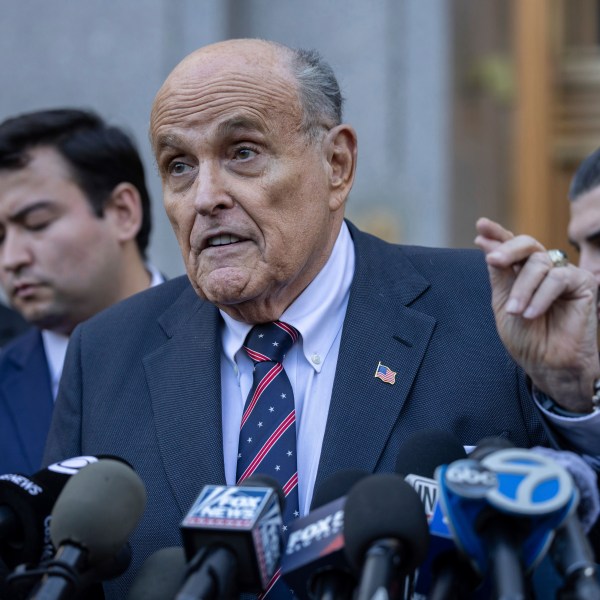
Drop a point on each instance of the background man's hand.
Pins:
(546, 315)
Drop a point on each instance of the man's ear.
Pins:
(124, 209)
(341, 147)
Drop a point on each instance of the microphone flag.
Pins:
(222, 513)
(533, 489)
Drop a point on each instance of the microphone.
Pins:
(91, 521)
(445, 572)
(503, 511)
(386, 533)
(232, 539)
(108, 569)
(25, 506)
(314, 564)
(488, 445)
(338, 484)
(571, 552)
(161, 576)
(585, 480)
(420, 455)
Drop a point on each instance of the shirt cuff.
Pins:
(581, 431)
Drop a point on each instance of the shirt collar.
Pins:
(318, 313)
(55, 347)
(156, 277)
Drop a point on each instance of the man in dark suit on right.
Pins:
(379, 340)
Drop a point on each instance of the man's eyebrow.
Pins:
(168, 140)
(240, 123)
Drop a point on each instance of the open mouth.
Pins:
(224, 239)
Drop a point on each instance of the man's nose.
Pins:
(211, 192)
(15, 252)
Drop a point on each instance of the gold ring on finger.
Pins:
(558, 258)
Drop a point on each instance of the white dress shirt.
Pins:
(318, 314)
(55, 344)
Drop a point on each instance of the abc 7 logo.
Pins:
(513, 480)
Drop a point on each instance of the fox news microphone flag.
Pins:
(236, 529)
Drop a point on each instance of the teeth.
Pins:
(223, 240)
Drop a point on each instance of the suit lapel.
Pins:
(183, 376)
(28, 394)
(379, 327)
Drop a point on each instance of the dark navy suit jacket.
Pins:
(142, 380)
(25, 403)
(11, 325)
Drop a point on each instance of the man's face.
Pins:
(247, 193)
(55, 254)
(584, 231)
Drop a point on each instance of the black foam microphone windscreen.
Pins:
(338, 484)
(98, 509)
(161, 575)
(489, 445)
(386, 532)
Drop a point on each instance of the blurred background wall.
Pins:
(462, 107)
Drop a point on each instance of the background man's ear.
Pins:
(124, 209)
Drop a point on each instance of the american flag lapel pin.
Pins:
(385, 374)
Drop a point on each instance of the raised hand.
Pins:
(546, 314)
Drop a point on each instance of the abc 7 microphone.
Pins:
(503, 511)
(232, 539)
(91, 521)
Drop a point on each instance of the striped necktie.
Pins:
(268, 430)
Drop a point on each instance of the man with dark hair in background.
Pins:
(75, 221)
(584, 224)
(380, 340)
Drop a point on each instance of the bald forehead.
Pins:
(252, 75)
(249, 51)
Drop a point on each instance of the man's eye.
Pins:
(178, 168)
(37, 225)
(244, 153)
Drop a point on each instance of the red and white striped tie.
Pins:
(267, 441)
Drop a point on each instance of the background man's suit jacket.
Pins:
(142, 380)
(11, 324)
(26, 403)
